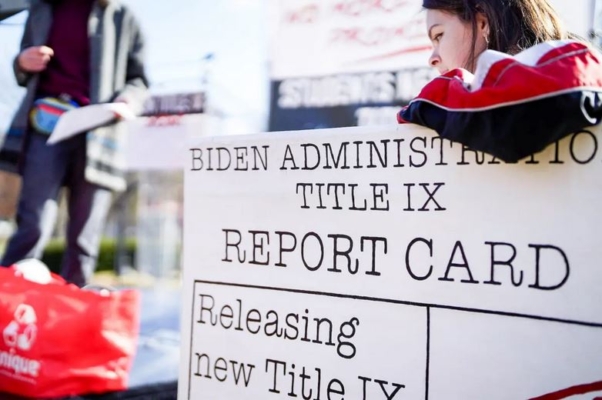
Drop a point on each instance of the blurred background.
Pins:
(238, 67)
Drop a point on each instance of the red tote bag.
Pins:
(58, 340)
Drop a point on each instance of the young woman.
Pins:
(513, 80)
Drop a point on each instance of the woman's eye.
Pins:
(437, 37)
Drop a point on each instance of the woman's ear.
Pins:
(483, 26)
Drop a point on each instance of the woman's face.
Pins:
(452, 40)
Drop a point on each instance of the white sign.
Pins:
(390, 264)
(578, 15)
(315, 38)
(158, 142)
(329, 37)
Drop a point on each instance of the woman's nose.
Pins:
(434, 59)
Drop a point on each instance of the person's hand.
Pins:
(118, 115)
(120, 99)
(35, 59)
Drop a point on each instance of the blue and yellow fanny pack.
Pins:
(46, 112)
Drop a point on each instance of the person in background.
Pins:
(73, 53)
(513, 79)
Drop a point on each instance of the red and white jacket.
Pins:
(514, 106)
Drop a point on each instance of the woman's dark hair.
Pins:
(514, 25)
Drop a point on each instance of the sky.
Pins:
(180, 36)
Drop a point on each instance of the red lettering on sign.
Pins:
(358, 8)
(378, 36)
(164, 120)
(591, 388)
(304, 15)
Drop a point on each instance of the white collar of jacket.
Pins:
(529, 57)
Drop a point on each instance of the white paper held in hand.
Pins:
(90, 117)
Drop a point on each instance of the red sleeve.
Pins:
(514, 106)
